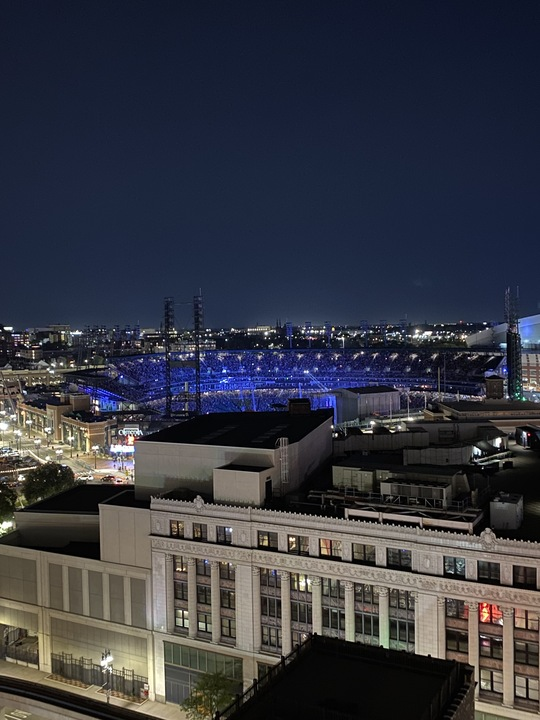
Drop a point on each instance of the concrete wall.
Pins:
(161, 467)
(437, 455)
(243, 487)
(125, 535)
(54, 530)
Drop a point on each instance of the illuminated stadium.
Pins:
(529, 330)
(249, 380)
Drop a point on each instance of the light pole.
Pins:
(59, 454)
(48, 431)
(3, 427)
(71, 439)
(37, 443)
(29, 424)
(106, 664)
(18, 434)
(95, 449)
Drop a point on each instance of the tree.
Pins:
(213, 692)
(46, 480)
(8, 500)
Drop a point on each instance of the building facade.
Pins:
(178, 587)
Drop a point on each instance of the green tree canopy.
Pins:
(46, 480)
(8, 500)
(213, 692)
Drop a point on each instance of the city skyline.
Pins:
(302, 161)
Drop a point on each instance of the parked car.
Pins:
(85, 477)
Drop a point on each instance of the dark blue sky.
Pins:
(336, 160)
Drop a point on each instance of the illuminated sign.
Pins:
(123, 449)
(126, 432)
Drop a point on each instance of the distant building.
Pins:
(358, 403)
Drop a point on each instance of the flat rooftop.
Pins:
(514, 408)
(371, 389)
(249, 430)
(333, 678)
(83, 500)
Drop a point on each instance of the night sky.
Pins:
(343, 161)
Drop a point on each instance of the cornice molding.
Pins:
(386, 577)
(163, 510)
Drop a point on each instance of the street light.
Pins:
(106, 664)
(48, 431)
(18, 434)
(29, 423)
(3, 427)
(95, 449)
(37, 443)
(59, 454)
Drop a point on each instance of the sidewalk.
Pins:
(148, 707)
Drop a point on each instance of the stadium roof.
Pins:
(253, 430)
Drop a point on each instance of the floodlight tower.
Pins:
(168, 328)
(198, 327)
(513, 347)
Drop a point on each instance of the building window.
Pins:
(300, 583)
(204, 594)
(401, 634)
(401, 559)
(366, 594)
(454, 567)
(204, 622)
(491, 681)
(456, 609)
(332, 588)
(526, 688)
(298, 544)
(271, 636)
(224, 535)
(180, 590)
(271, 607)
(525, 619)
(181, 618)
(267, 540)
(401, 599)
(457, 641)
(203, 567)
(180, 564)
(228, 627)
(489, 572)
(490, 614)
(525, 577)
(333, 618)
(228, 599)
(367, 625)
(330, 548)
(270, 578)
(301, 612)
(177, 528)
(363, 554)
(200, 532)
(299, 637)
(526, 653)
(227, 571)
(491, 647)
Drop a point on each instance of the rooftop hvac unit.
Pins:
(506, 511)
